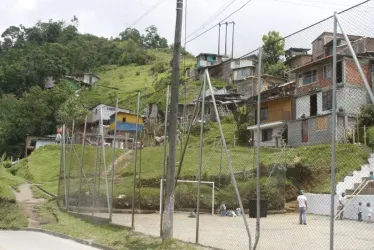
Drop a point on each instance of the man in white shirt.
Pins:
(303, 205)
(342, 201)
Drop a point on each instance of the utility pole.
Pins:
(219, 37)
(226, 39)
(170, 179)
(232, 45)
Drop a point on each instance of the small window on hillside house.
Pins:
(310, 77)
(339, 72)
(327, 100)
(267, 134)
(327, 71)
(263, 114)
(124, 119)
(237, 63)
(300, 82)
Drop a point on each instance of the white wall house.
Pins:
(350, 99)
(90, 78)
(107, 111)
(242, 68)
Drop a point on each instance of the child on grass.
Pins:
(370, 211)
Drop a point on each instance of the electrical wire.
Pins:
(211, 19)
(233, 13)
(147, 13)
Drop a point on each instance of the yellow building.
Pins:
(126, 122)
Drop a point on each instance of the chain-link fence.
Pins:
(285, 148)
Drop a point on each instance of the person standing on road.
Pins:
(303, 205)
(342, 201)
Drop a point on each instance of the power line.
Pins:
(233, 13)
(147, 12)
(211, 19)
(310, 26)
(305, 4)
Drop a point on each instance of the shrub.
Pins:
(6, 164)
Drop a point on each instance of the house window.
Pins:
(237, 63)
(300, 79)
(327, 71)
(322, 123)
(327, 100)
(339, 72)
(263, 114)
(267, 134)
(244, 73)
(310, 77)
(124, 119)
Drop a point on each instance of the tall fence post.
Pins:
(135, 162)
(113, 161)
(64, 163)
(82, 163)
(258, 139)
(333, 137)
(164, 160)
(200, 158)
(70, 163)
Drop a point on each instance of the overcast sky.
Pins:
(110, 17)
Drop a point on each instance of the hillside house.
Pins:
(277, 108)
(243, 68)
(95, 114)
(314, 94)
(126, 123)
(248, 87)
(85, 78)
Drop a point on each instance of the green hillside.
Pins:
(10, 213)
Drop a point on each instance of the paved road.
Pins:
(18, 240)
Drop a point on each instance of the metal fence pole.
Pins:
(366, 83)
(60, 175)
(259, 87)
(64, 163)
(70, 162)
(104, 158)
(200, 158)
(229, 159)
(333, 138)
(136, 158)
(113, 160)
(81, 165)
(164, 159)
(95, 174)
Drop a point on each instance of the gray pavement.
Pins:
(20, 240)
(280, 231)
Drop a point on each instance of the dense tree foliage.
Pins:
(28, 55)
(273, 50)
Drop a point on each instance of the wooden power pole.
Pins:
(170, 178)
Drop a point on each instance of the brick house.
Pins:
(313, 89)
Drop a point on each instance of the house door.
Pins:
(304, 131)
(313, 105)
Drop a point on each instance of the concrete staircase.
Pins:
(368, 190)
(351, 182)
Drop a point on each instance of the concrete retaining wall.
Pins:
(320, 204)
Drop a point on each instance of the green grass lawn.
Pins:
(10, 213)
(116, 238)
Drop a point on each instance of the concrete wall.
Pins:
(314, 136)
(272, 142)
(320, 204)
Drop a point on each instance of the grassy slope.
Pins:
(130, 79)
(10, 214)
(43, 165)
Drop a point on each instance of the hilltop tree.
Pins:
(273, 50)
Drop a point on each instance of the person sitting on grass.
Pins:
(223, 209)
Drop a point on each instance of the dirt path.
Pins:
(123, 160)
(27, 203)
